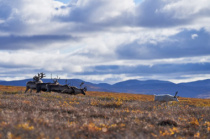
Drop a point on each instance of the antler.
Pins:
(42, 75)
(81, 84)
(176, 93)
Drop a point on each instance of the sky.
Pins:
(105, 40)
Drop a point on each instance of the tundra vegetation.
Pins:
(99, 115)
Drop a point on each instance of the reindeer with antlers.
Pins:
(166, 97)
(43, 86)
(32, 85)
(72, 90)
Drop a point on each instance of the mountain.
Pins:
(199, 83)
(202, 86)
(153, 87)
(195, 89)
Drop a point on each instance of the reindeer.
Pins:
(32, 84)
(74, 90)
(66, 89)
(56, 87)
(166, 97)
(43, 86)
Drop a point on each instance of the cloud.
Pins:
(146, 70)
(5, 11)
(100, 15)
(149, 13)
(109, 38)
(193, 36)
(90, 15)
(91, 11)
(21, 16)
(179, 45)
(172, 72)
(47, 61)
(13, 42)
(161, 13)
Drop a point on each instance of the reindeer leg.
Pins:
(74, 93)
(31, 91)
(64, 91)
(26, 89)
(48, 89)
(38, 89)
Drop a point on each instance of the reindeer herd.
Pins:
(38, 85)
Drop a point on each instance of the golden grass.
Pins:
(99, 115)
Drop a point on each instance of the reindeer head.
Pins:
(84, 90)
(55, 81)
(36, 78)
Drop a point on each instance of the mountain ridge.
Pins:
(196, 89)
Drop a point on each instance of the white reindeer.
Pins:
(166, 97)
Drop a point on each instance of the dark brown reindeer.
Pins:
(56, 87)
(72, 90)
(43, 86)
(66, 89)
(32, 84)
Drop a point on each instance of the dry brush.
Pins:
(100, 115)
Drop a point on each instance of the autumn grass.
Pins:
(99, 115)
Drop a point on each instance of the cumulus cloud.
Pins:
(84, 36)
(173, 72)
(91, 11)
(83, 15)
(193, 36)
(28, 63)
(179, 45)
(162, 13)
(188, 68)
(28, 17)
(32, 42)
(5, 11)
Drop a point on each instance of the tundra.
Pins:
(166, 97)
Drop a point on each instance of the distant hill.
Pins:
(155, 87)
(195, 89)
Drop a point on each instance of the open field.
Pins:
(99, 115)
